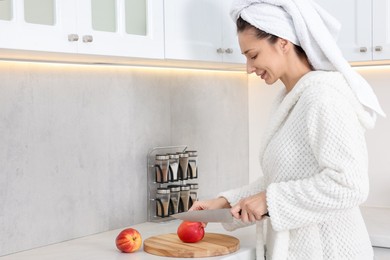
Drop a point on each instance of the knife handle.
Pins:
(265, 215)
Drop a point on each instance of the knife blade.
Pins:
(207, 215)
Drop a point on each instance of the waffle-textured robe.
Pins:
(315, 165)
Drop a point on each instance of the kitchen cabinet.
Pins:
(37, 25)
(381, 29)
(126, 28)
(365, 28)
(129, 28)
(200, 30)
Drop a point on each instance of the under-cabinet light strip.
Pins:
(185, 67)
(147, 67)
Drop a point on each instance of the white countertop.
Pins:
(381, 253)
(378, 225)
(102, 246)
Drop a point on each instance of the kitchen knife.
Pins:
(207, 215)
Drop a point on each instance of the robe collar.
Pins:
(283, 105)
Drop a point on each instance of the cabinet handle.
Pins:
(73, 37)
(229, 50)
(363, 49)
(378, 48)
(220, 50)
(87, 38)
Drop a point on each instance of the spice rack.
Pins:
(168, 169)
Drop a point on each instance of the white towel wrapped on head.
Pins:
(306, 24)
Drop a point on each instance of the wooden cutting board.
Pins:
(211, 245)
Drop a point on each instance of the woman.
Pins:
(314, 156)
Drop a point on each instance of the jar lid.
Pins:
(185, 187)
(181, 155)
(193, 186)
(173, 156)
(174, 188)
(163, 191)
(162, 157)
(192, 153)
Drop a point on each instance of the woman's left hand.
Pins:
(251, 208)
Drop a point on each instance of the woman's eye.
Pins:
(253, 57)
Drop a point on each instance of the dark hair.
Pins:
(243, 25)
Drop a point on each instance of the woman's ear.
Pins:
(284, 45)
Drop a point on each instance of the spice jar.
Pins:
(175, 199)
(162, 202)
(173, 167)
(162, 168)
(193, 164)
(184, 198)
(183, 166)
(193, 193)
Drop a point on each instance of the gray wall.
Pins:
(74, 140)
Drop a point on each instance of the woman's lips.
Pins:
(262, 75)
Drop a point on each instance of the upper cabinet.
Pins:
(127, 28)
(200, 30)
(381, 30)
(40, 25)
(179, 30)
(365, 31)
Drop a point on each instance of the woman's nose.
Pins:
(249, 68)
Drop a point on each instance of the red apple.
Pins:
(129, 240)
(190, 232)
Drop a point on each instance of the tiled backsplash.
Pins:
(74, 140)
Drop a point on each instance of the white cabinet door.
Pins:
(355, 17)
(193, 30)
(39, 25)
(229, 37)
(127, 28)
(381, 30)
(200, 30)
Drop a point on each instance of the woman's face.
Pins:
(264, 58)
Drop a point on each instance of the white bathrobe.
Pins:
(314, 161)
